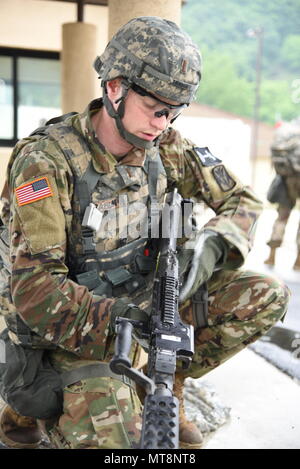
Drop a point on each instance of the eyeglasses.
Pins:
(151, 102)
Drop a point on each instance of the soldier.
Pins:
(75, 201)
(285, 189)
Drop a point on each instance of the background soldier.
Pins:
(285, 189)
(72, 273)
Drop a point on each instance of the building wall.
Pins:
(261, 176)
(227, 139)
(37, 24)
(265, 133)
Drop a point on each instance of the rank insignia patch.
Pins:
(225, 182)
(33, 191)
(206, 157)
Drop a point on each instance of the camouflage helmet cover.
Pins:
(287, 138)
(155, 54)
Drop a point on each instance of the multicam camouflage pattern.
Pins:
(6, 304)
(157, 55)
(98, 413)
(286, 161)
(243, 305)
(279, 228)
(54, 306)
(286, 149)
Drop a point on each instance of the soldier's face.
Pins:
(145, 116)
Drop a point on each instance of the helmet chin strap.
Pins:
(119, 114)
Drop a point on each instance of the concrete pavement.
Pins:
(264, 401)
(263, 405)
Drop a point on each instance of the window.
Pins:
(29, 92)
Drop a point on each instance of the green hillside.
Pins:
(229, 54)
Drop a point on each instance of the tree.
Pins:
(219, 29)
(222, 87)
(276, 100)
(289, 53)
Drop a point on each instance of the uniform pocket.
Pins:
(101, 413)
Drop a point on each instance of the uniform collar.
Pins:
(103, 161)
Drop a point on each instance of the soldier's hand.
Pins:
(209, 253)
(124, 307)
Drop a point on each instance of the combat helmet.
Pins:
(157, 56)
(285, 148)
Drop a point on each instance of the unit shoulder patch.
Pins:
(34, 190)
(206, 157)
(223, 179)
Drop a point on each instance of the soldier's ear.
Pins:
(114, 89)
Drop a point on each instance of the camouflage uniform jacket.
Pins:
(53, 305)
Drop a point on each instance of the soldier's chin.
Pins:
(138, 140)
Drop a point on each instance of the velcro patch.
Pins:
(206, 157)
(33, 191)
(223, 179)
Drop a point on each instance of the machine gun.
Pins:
(168, 340)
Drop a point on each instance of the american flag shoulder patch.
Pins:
(32, 191)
